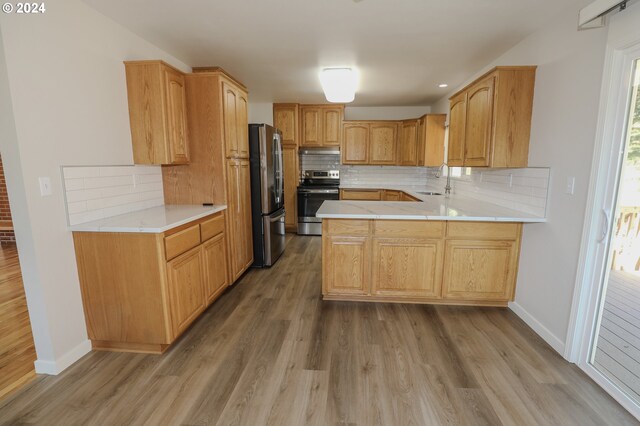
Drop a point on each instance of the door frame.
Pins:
(605, 169)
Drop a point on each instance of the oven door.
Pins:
(310, 200)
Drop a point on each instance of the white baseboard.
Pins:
(541, 330)
(57, 366)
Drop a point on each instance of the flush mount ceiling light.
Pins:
(339, 84)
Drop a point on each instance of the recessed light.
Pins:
(443, 85)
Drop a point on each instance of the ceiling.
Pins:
(402, 48)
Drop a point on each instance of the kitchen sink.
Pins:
(430, 193)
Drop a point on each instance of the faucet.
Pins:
(447, 188)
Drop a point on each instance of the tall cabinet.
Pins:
(219, 168)
(285, 119)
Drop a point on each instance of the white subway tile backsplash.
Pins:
(102, 191)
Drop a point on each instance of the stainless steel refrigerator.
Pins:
(267, 194)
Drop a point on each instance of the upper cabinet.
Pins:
(321, 125)
(408, 149)
(431, 140)
(157, 113)
(285, 119)
(490, 120)
(234, 110)
(369, 142)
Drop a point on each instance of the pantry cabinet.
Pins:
(218, 172)
(140, 291)
(490, 119)
(157, 113)
(285, 119)
(468, 263)
(321, 125)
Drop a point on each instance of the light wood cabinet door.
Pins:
(285, 119)
(156, 95)
(242, 128)
(390, 195)
(408, 148)
(346, 264)
(186, 289)
(431, 132)
(332, 126)
(457, 126)
(291, 179)
(215, 264)
(407, 267)
(240, 239)
(480, 270)
(383, 143)
(311, 126)
(478, 132)
(355, 145)
(176, 117)
(230, 114)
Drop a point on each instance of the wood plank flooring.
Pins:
(17, 352)
(271, 352)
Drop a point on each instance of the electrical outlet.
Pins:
(45, 186)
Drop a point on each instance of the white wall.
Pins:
(67, 106)
(385, 112)
(260, 112)
(565, 112)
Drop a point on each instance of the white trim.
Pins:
(556, 343)
(57, 366)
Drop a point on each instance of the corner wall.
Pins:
(565, 112)
(62, 102)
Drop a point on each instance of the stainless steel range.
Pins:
(317, 186)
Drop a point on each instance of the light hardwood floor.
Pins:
(17, 352)
(270, 351)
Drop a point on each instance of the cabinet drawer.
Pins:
(212, 227)
(483, 230)
(408, 228)
(348, 227)
(182, 241)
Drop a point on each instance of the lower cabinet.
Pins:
(406, 267)
(239, 213)
(140, 291)
(186, 283)
(291, 180)
(361, 194)
(471, 263)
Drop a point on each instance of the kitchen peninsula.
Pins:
(442, 250)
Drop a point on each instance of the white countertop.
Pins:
(152, 220)
(433, 207)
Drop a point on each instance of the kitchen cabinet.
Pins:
(408, 146)
(347, 251)
(235, 121)
(406, 197)
(490, 119)
(157, 113)
(291, 180)
(285, 119)
(218, 172)
(466, 263)
(355, 145)
(431, 131)
(241, 236)
(186, 289)
(391, 195)
(140, 291)
(369, 142)
(481, 262)
(361, 194)
(321, 125)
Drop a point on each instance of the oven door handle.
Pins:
(318, 191)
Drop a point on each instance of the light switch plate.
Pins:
(45, 186)
(571, 186)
